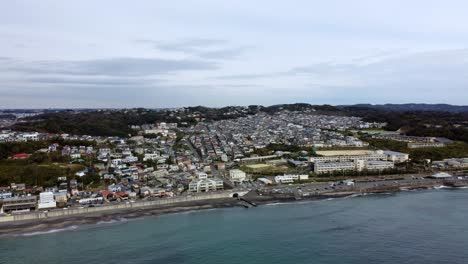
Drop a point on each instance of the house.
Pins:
(20, 156)
(81, 173)
(75, 156)
(5, 195)
(61, 197)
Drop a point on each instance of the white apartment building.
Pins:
(379, 165)
(237, 176)
(394, 156)
(425, 145)
(357, 165)
(203, 184)
(290, 178)
(325, 167)
(348, 158)
(46, 200)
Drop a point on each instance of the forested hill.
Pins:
(117, 122)
(414, 107)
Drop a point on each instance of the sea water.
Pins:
(407, 227)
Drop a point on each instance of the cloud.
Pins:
(188, 45)
(206, 48)
(113, 81)
(112, 66)
(229, 53)
(245, 76)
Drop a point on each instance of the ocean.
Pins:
(408, 227)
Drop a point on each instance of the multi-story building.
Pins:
(204, 184)
(46, 200)
(378, 165)
(25, 203)
(290, 178)
(325, 167)
(396, 157)
(425, 145)
(237, 176)
(357, 165)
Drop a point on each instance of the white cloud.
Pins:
(199, 51)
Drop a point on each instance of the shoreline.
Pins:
(71, 222)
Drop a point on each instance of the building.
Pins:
(20, 156)
(396, 157)
(204, 184)
(379, 165)
(377, 155)
(357, 165)
(46, 200)
(237, 176)
(290, 178)
(19, 204)
(451, 163)
(61, 197)
(151, 156)
(252, 160)
(425, 145)
(5, 195)
(31, 136)
(326, 167)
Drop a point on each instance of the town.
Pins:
(164, 160)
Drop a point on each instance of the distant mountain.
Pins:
(413, 107)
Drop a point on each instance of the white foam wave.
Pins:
(275, 204)
(442, 187)
(51, 231)
(113, 221)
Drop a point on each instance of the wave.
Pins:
(275, 204)
(51, 231)
(442, 187)
(112, 221)
(291, 202)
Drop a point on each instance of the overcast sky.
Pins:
(89, 53)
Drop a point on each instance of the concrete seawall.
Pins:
(121, 206)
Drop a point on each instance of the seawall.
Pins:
(120, 206)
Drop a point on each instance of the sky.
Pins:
(150, 53)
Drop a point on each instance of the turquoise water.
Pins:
(412, 227)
